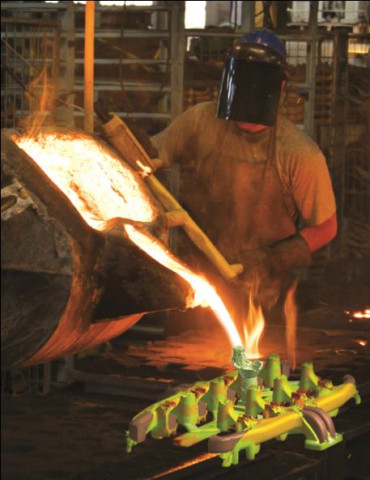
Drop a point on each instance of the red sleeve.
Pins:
(320, 235)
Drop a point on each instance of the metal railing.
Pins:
(30, 69)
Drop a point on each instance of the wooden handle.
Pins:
(119, 135)
(197, 236)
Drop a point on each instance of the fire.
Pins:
(364, 314)
(290, 311)
(253, 328)
(360, 315)
(101, 187)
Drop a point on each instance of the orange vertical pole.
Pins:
(89, 66)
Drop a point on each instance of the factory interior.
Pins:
(141, 336)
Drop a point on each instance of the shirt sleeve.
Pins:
(177, 142)
(320, 235)
(311, 187)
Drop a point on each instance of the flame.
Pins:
(253, 328)
(101, 187)
(40, 104)
(290, 312)
(362, 314)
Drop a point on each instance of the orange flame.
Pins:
(101, 187)
(41, 96)
(253, 328)
(290, 312)
(362, 314)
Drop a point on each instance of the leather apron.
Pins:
(239, 203)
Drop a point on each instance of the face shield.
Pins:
(251, 85)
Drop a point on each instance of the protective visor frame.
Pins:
(251, 85)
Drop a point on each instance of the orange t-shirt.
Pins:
(301, 165)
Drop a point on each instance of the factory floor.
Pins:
(76, 431)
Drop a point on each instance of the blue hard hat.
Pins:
(266, 38)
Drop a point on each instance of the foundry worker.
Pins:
(260, 189)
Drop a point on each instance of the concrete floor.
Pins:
(72, 433)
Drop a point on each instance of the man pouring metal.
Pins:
(261, 189)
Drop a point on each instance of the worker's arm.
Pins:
(295, 252)
(178, 142)
(320, 235)
(311, 189)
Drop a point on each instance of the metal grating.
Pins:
(356, 187)
(29, 67)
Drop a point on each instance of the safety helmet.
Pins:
(267, 39)
(251, 83)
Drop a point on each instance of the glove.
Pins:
(259, 278)
(143, 138)
(290, 254)
(266, 270)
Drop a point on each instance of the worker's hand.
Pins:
(143, 138)
(265, 270)
(285, 256)
(259, 277)
(290, 254)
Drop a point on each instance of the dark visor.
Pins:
(250, 91)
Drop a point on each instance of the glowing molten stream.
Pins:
(101, 187)
(204, 294)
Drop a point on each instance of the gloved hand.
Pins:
(267, 268)
(259, 277)
(143, 138)
(287, 255)
(290, 254)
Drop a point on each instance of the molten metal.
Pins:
(98, 184)
(101, 187)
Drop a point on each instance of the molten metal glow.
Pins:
(253, 328)
(363, 314)
(95, 181)
(102, 188)
(204, 294)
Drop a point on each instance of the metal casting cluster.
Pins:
(248, 406)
